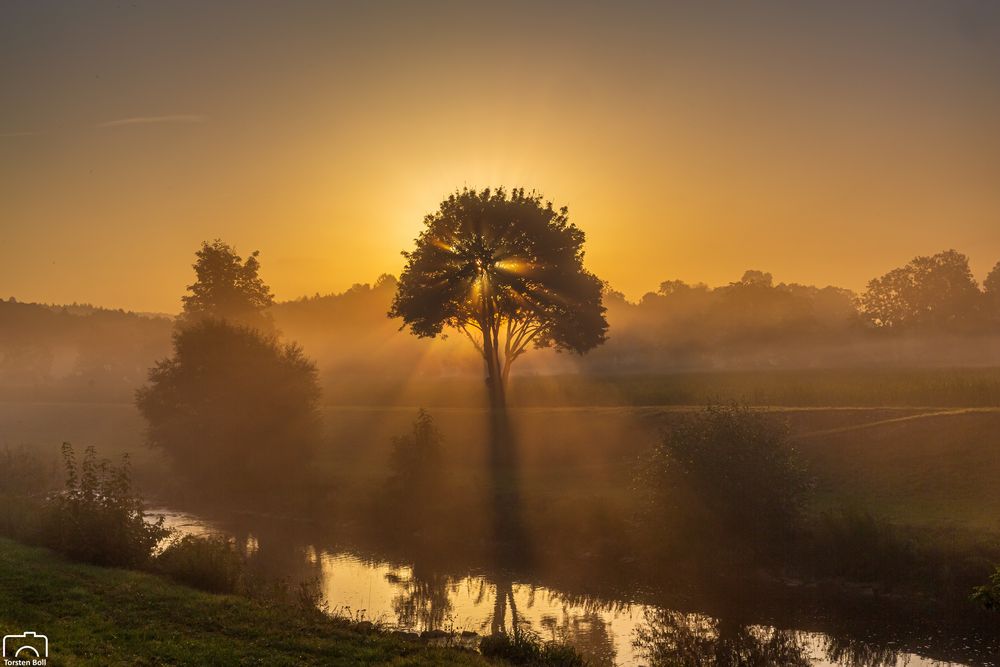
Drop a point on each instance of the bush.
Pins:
(988, 595)
(235, 410)
(740, 463)
(209, 563)
(415, 486)
(97, 518)
(523, 647)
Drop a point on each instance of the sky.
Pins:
(824, 142)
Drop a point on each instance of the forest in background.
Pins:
(930, 313)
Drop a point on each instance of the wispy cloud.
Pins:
(18, 134)
(151, 120)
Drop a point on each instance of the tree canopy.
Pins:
(506, 270)
(991, 289)
(228, 287)
(929, 292)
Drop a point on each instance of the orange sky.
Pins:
(824, 142)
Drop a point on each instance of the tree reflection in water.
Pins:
(855, 653)
(675, 639)
(588, 632)
(511, 547)
(424, 601)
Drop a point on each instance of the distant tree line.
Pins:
(75, 349)
(933, 293)
(755, 322)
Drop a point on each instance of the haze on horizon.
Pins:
(823, 143)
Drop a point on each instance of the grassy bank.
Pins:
(103, 616)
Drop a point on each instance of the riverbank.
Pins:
(105, 616)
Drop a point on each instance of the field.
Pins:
(860, 387)
(919, 461)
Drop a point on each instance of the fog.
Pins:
(756, 469)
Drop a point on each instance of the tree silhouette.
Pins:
(234, 409)
(228, 287)
(991, 288)
(507, 271)
(929, 292)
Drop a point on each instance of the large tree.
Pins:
(228, 287)
(935, 292)
(506, 270)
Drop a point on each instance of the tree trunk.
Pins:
(494, 374)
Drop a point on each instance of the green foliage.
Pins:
(233, 408)
(228, 287)
(740, 463)
(98, 518)
(988, 595)
(210, 563)
(523, 647)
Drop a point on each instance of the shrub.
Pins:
(740, 463)
(415, 485)
(988, 595)
(97, 518)
(209, 563)
(235, 410)
(523, 647)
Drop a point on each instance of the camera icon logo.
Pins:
(26, 645)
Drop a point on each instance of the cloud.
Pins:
(151, 120)
(18, 134)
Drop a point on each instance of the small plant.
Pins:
(209, 563)
(524, 647)
(97, 518)
(988, 595)
(310, 599)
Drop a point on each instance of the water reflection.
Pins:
(434, 538)
(424, 599)
(856, 653)
(588, 631)
(417, 597)
(674, 639)
(511, 547)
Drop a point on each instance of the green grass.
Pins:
(105, 616)
(938, 469)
